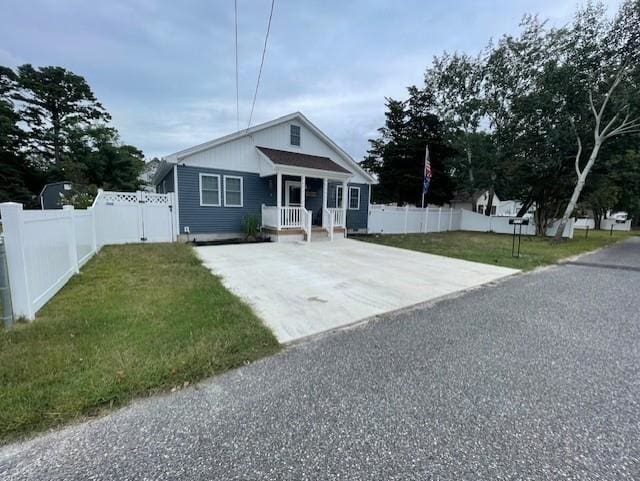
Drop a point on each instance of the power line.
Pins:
(235, 7)
(264, 51)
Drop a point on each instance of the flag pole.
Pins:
(424, 172)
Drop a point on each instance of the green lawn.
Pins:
(137, 320)
(496, 248)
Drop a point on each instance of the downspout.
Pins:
(175, 198)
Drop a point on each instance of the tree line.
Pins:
(53, 128)
(549, 116)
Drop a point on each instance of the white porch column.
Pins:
(325, 187)
(279, 197)
(345, 195)
(303, 190)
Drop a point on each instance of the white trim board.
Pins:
(349, 199)
(291, 183)
(200, 176)
(226, 204)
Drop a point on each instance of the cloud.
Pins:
(166, 70)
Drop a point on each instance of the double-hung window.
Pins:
(294, 131)
(354, 198)
(210, 190)
(232, 191)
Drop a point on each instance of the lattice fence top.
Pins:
(120, 198)
(151, 198)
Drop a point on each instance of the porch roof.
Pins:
(306, 161)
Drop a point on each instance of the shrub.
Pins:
(251, 227)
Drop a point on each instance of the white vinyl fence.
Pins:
(44, 248)
(405, 220)
(605, 224)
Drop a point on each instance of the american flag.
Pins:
(427, 172)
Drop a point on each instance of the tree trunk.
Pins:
(576, 191)
(598, 214)
(492, 193)
(471, 178)
(525, 205)
(487, 211)
(57, 150)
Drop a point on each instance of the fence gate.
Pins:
(128, 217)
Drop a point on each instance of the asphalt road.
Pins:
(536, 377)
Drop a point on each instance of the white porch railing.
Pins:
(337, 215)
(286, 218)
(290, 217)
(269, 216)
(305, 222)
(327, 221)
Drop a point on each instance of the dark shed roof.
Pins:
(284, 157)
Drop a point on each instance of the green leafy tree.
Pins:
(456, 82)
(109, 164)
(51, 128)
(15, 178)
(603, 102)
(527, 125)
(54, 103)
(397, 156)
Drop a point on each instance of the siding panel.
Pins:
(356, 219)
(219, 220)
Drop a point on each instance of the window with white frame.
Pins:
(354, 198)
(295, 134)
(339, 195)
(210, 190)
(232, 191)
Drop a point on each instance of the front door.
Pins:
(313, 199)
(292, 191)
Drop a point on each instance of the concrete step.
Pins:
(319, 235)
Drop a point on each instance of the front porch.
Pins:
(302, 210)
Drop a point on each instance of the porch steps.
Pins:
(319, 235)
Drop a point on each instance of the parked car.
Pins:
(619, 216)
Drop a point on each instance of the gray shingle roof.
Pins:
(284, 157)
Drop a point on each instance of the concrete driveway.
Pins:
(303, 289)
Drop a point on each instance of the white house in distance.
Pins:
(479, 202)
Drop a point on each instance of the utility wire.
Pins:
(235, 7)
(264, 51)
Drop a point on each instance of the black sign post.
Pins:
(518, 221)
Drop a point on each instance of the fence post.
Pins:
(406, 217)
(94, 234)
(71, 238)
(12, 224)
(5, 292)
(439, 217)
(450, 218)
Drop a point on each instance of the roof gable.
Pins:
(293, 117)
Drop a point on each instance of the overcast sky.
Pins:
(166, 70)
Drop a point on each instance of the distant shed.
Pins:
(52, 193)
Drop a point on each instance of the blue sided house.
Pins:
(286, 174)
